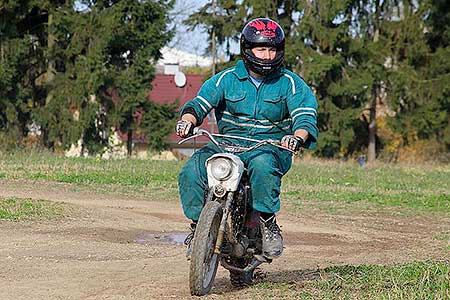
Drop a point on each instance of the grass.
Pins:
(326, 185)
(149, 179)
(27, 209)
(417, 188)
(443, 237)
(416, 280)
(88, 170)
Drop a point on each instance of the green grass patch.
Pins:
(331, 186)
(442, 237)
(318, 184)
(423, 201)
(155, 180)
(125, 172)
(29, 209)
(415, 281)
(383, 177)
(119, 178)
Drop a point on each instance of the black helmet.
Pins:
(262, 32)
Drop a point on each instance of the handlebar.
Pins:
(233, 148)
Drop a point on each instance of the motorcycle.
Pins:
(228, 229)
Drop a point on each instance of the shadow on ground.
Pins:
(223, 286)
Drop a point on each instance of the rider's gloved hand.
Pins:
(184, 128)
(292, 142)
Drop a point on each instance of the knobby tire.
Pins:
(204, 262)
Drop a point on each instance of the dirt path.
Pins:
(118, 248)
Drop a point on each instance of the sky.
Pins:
(196, 41)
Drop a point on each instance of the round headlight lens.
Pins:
(221, 168)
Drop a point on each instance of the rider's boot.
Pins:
(272, 241)
(189, 238)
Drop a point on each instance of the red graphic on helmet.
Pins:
(267, 30)
(272, 25)
(258, 24)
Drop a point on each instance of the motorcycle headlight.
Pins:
(221, 168)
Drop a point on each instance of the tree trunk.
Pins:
(213, 41)
(51, 70)
(371, 151)
(129, 142)
(50, 73)
(2, 52)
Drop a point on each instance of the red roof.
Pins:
(164, 91)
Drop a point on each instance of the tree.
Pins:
(368, 61)
(420, 83)
(317, 34)
(326, 54)
(102, 58)
(23, 64)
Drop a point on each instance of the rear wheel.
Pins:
(204, 261)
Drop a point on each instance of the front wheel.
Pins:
(204, 261)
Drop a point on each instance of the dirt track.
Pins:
(94, 254)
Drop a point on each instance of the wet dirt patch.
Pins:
(162, 216)
(316, 239)
(103, 234)
(174, 238)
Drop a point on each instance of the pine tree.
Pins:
(368, 61)
(103, 64)
(324, 53)
(420, 83)
(317, 34)
(23, 65)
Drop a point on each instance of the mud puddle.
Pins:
(174, 238)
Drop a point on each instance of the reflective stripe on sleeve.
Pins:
(303, 113)
(221, 76)
(292, 82)
(304, 108)
(203, 108)
(205, 101)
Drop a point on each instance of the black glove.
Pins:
(292, 142)
(184, 128)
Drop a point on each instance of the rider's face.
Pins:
(265, 52)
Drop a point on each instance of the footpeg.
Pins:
(257, 260)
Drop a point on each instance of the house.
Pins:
(171, 85)
(166, 90)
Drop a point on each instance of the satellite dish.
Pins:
(180, 79)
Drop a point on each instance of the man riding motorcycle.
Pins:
(260, 99)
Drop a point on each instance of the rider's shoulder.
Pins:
(288, 73)
(222, 77)
(294, 79)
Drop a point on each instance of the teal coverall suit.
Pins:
(282, 104)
